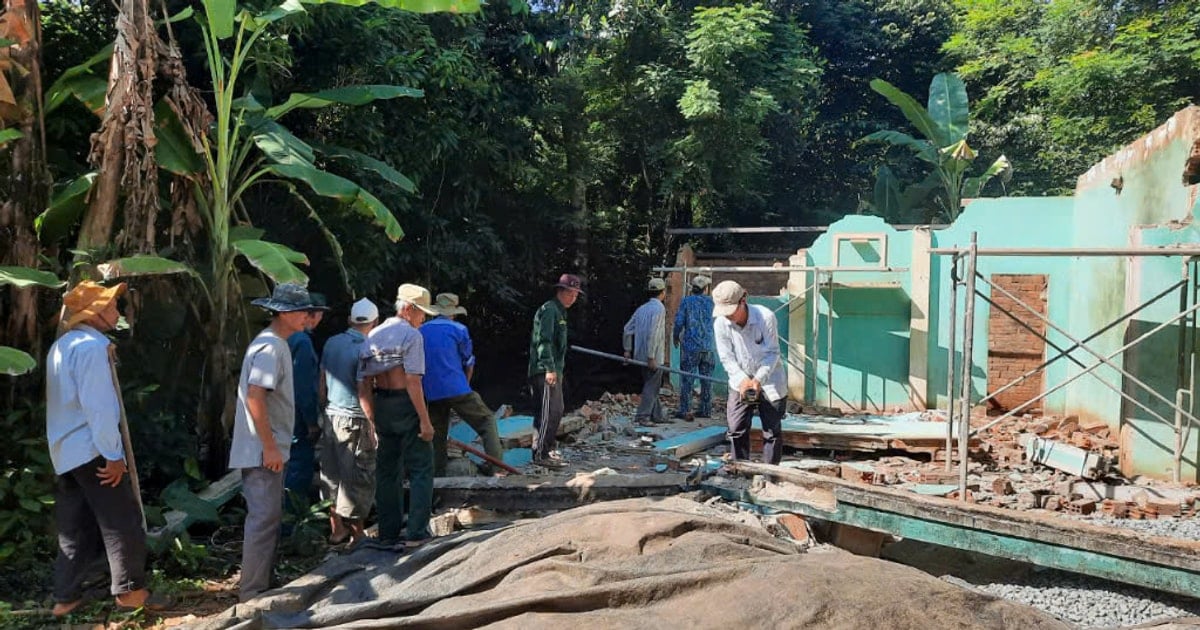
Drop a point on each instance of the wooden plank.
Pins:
(691, 442)
(217, 493)
(537, 493)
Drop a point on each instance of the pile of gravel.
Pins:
(1092, 602)
(1184, 528)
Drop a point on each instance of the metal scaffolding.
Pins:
(1188, 289)
(817, 277)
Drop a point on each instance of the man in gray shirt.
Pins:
(262, 431)
(645, 339)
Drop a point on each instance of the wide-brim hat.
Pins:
(418, 296)
(570, 281)
(286, 298)
(86, 299)
(447, 304)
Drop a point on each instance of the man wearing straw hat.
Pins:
(693, 334)
(262, 431)
(96, 508)
(449, 366)
(391, 366)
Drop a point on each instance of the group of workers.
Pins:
(387, 390)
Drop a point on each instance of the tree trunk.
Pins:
(25, 188)
(123, 149)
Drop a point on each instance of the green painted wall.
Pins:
(720, 389)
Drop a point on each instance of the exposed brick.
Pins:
(1012, 349)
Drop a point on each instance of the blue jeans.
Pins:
(703, 363)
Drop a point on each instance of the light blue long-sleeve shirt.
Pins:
(645, 333)
(83, 413)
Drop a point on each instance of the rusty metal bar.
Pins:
(964, 430)
(950, 364)
(1019, 408)
(1133, 379)
(1072, 251)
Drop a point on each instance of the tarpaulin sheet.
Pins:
(638, 563)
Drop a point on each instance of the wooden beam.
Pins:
(534, 493)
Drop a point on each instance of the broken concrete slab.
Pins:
(537, 493)
(1099, 491)
(861, 433)
(217, 493)
(516, 431)
(1064, 457)
(691, 442)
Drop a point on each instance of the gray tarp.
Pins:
(639, 563)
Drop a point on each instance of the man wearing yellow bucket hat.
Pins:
(96, 509)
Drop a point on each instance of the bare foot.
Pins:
(63, 609)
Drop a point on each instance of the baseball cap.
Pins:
(656, 284)
(363, 311)
(726, 297)
(701, 281)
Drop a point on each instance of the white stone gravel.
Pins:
(1184, 528)
(1092, 602)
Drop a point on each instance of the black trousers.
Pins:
(92, 519)
(547, 414)
(739, 415)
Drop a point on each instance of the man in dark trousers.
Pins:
(95, 507)
(547, 359)
(449, 366)
(748, 345)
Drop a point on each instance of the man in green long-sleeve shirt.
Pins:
(547, 359)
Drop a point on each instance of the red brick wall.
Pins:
(1012, 349)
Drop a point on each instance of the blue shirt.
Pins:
(305, 375)
(448, 354)
(83, 414)
(694, 324)
(340, 362)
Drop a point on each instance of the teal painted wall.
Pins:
(1008, 222)
(870, 321)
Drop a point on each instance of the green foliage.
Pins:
(942, 124)
(26, 489)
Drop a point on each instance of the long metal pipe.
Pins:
(779, 229)
(1133, 379)
(829, 340)
(815, 332)
(964, 430)
(1090, 337)
(950, 372)
(1181, 370)
(780, 269)
(1072, 251)
(664, 368)
(1019, 408)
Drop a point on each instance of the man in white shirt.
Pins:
(644, 340)
(748, 345)
(96, 510)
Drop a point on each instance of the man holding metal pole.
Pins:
(748, 345)
(96, 504)
(644, 339)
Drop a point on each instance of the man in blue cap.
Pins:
(264, 418)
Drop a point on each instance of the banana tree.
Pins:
(943, 126)
(247, 145)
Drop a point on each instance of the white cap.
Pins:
(364, 311)
(726, 298)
